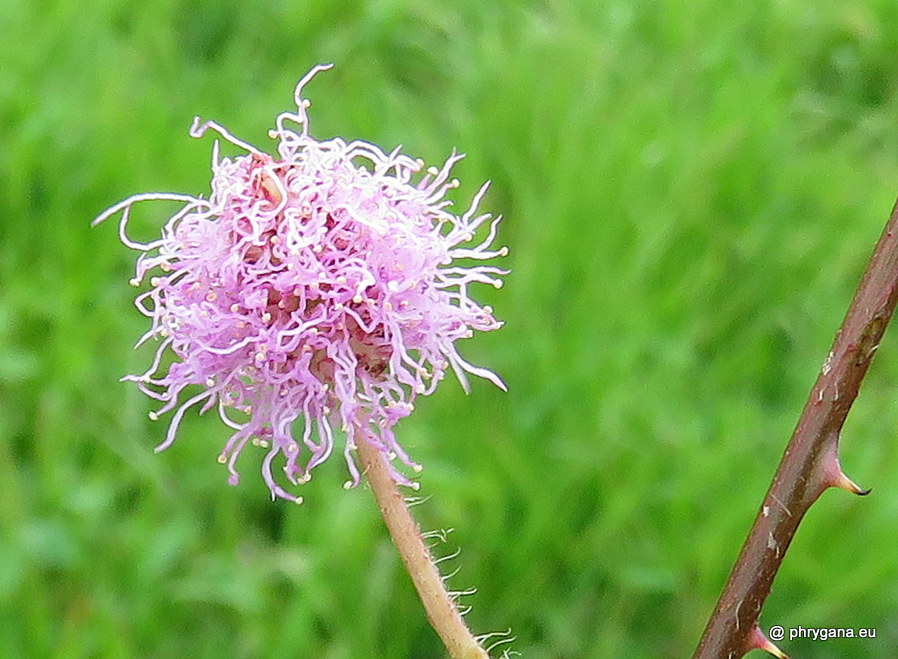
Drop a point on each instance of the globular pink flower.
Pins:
(316, 291)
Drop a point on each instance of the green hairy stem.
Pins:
(438, 604)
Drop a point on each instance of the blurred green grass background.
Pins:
(691, 191)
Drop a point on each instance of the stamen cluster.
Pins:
(316, 291)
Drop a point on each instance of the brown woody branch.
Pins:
(810, 464)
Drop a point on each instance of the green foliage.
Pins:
(691, 191)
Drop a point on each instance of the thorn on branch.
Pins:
(757, 640)
(831, 472)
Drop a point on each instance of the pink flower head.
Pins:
(314, 290)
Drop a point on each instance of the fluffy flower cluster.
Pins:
(315, 290)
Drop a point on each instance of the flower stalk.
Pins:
(810, 464)
(441, 610)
